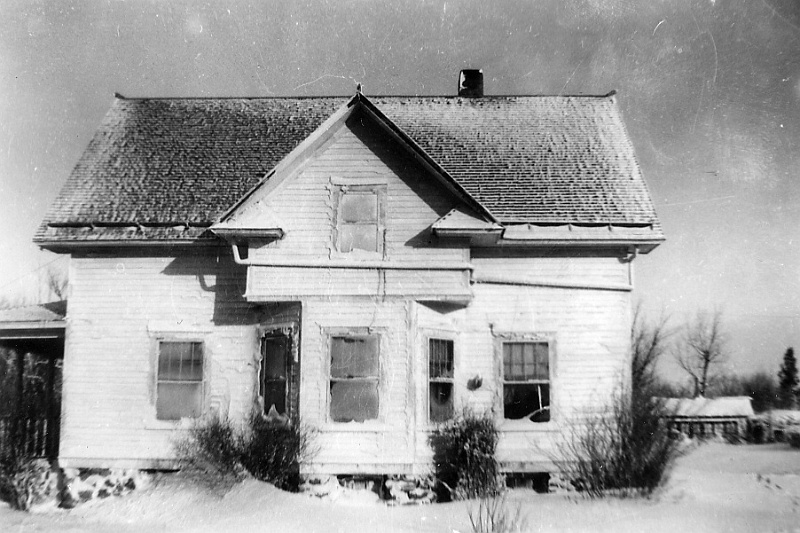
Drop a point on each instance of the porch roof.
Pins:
(34, 328)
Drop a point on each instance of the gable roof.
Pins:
(164, 170)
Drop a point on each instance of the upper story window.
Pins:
(526, 380)
(359, 219)
(179, 389)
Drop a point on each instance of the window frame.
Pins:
(438, 336)
(340, 191)
(158, 341)
(525, 424)
(291, 330)
(378, 379)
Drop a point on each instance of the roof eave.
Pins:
(642, 246)
(68, 246)
(232, 234)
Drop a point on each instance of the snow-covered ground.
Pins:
(715, 487)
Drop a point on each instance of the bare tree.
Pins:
(57, 283)
(649, 341)
(702, 349)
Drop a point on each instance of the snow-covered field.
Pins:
(715, 487)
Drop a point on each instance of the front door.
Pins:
(279, 372)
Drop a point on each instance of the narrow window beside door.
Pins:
(440, 380)
(275, 354)
(179, 391)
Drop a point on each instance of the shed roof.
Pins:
(166, 169)
(48, 312)
(727, 406)
(39, 328)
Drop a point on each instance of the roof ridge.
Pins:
(609, 94)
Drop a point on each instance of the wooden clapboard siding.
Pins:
(304, 206)
(590, 361)
(118, 307)
(376, 446)
(281, 283)
(551, 265)
(590, 355)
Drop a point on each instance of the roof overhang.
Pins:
(641, 236)
(65, 247)
(34, 336)
(236, 235)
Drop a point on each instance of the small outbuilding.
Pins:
(709, 417)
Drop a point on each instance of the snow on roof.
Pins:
(727, 406)
(166, 169)
(49, 312)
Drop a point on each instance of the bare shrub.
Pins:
(494, 515)
(464, 453)
(212, 450)
(273, 452)
(268, 450)
(625, 450)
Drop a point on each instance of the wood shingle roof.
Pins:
(166, 169)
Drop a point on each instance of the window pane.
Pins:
(354, 401)
(275, 394)
(441, 402)
(542, 365)
(180, 361)
(354, 357)
(275, 353)
(523, 361)
(526, 401)
(179, 400)
(359, 207)
(440, 363)
(358, 237)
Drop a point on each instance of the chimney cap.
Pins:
(470, 83)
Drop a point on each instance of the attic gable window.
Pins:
(179, 389)
(359, 219)
(526, 380)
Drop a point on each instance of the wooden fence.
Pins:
(37, 437)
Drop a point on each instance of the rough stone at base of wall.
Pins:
(35, 484)
(393, 490)
(82, 485)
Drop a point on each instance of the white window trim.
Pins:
(340, 187)
(452, 336)
(156, 340)
(376, 424)
(501, 338)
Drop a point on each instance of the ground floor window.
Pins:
(354, 377)
(275, 365)
(526, 380)
(440, 379)
(179, 389)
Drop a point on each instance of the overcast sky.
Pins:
(710, 92)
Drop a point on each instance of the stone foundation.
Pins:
(82, 485)
(393, 490)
